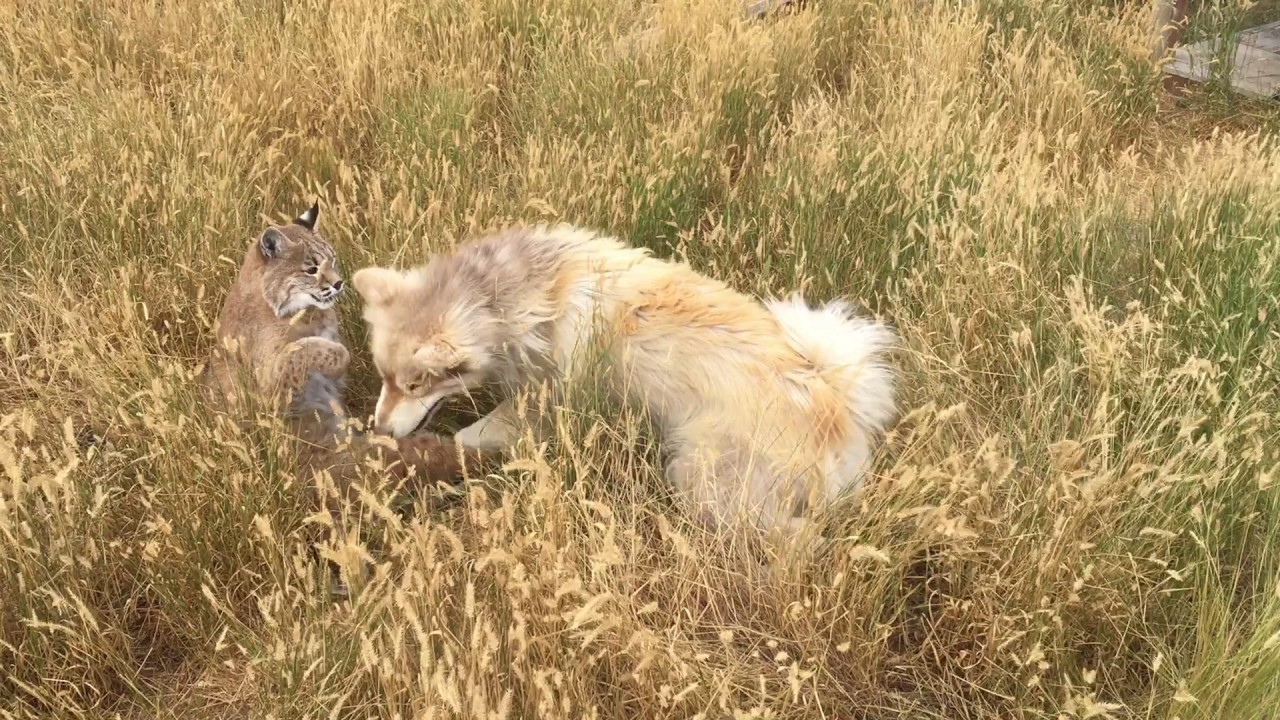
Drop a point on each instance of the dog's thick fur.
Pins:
(279, 343)
(763, 407)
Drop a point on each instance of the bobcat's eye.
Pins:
(311, 270)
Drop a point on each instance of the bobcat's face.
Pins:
(300, 269)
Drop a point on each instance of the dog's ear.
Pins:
(378, 286)
(432, 355)
(308, 219)
(272, 243)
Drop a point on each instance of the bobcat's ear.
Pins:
(272, 243)
(308, 219)
(378, 286)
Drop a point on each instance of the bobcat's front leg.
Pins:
(302, 357)
(436, 458)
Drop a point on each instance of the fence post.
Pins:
(1169, 17)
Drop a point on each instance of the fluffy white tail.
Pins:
(848, 347)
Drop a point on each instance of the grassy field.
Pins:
(1078, 516)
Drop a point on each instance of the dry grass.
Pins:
(1077, 518)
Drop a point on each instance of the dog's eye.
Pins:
(411, 387)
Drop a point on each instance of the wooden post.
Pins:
(1169, 17)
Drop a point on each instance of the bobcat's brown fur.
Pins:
(279, 342)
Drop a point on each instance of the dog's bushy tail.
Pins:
(849, 350)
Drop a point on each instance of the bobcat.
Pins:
(279, 331)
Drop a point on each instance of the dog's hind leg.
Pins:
(728, 488)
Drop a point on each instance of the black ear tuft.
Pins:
(272, 242)
(308, 218)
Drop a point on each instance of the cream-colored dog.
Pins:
(764, 408)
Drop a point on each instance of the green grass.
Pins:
(1077, 516)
